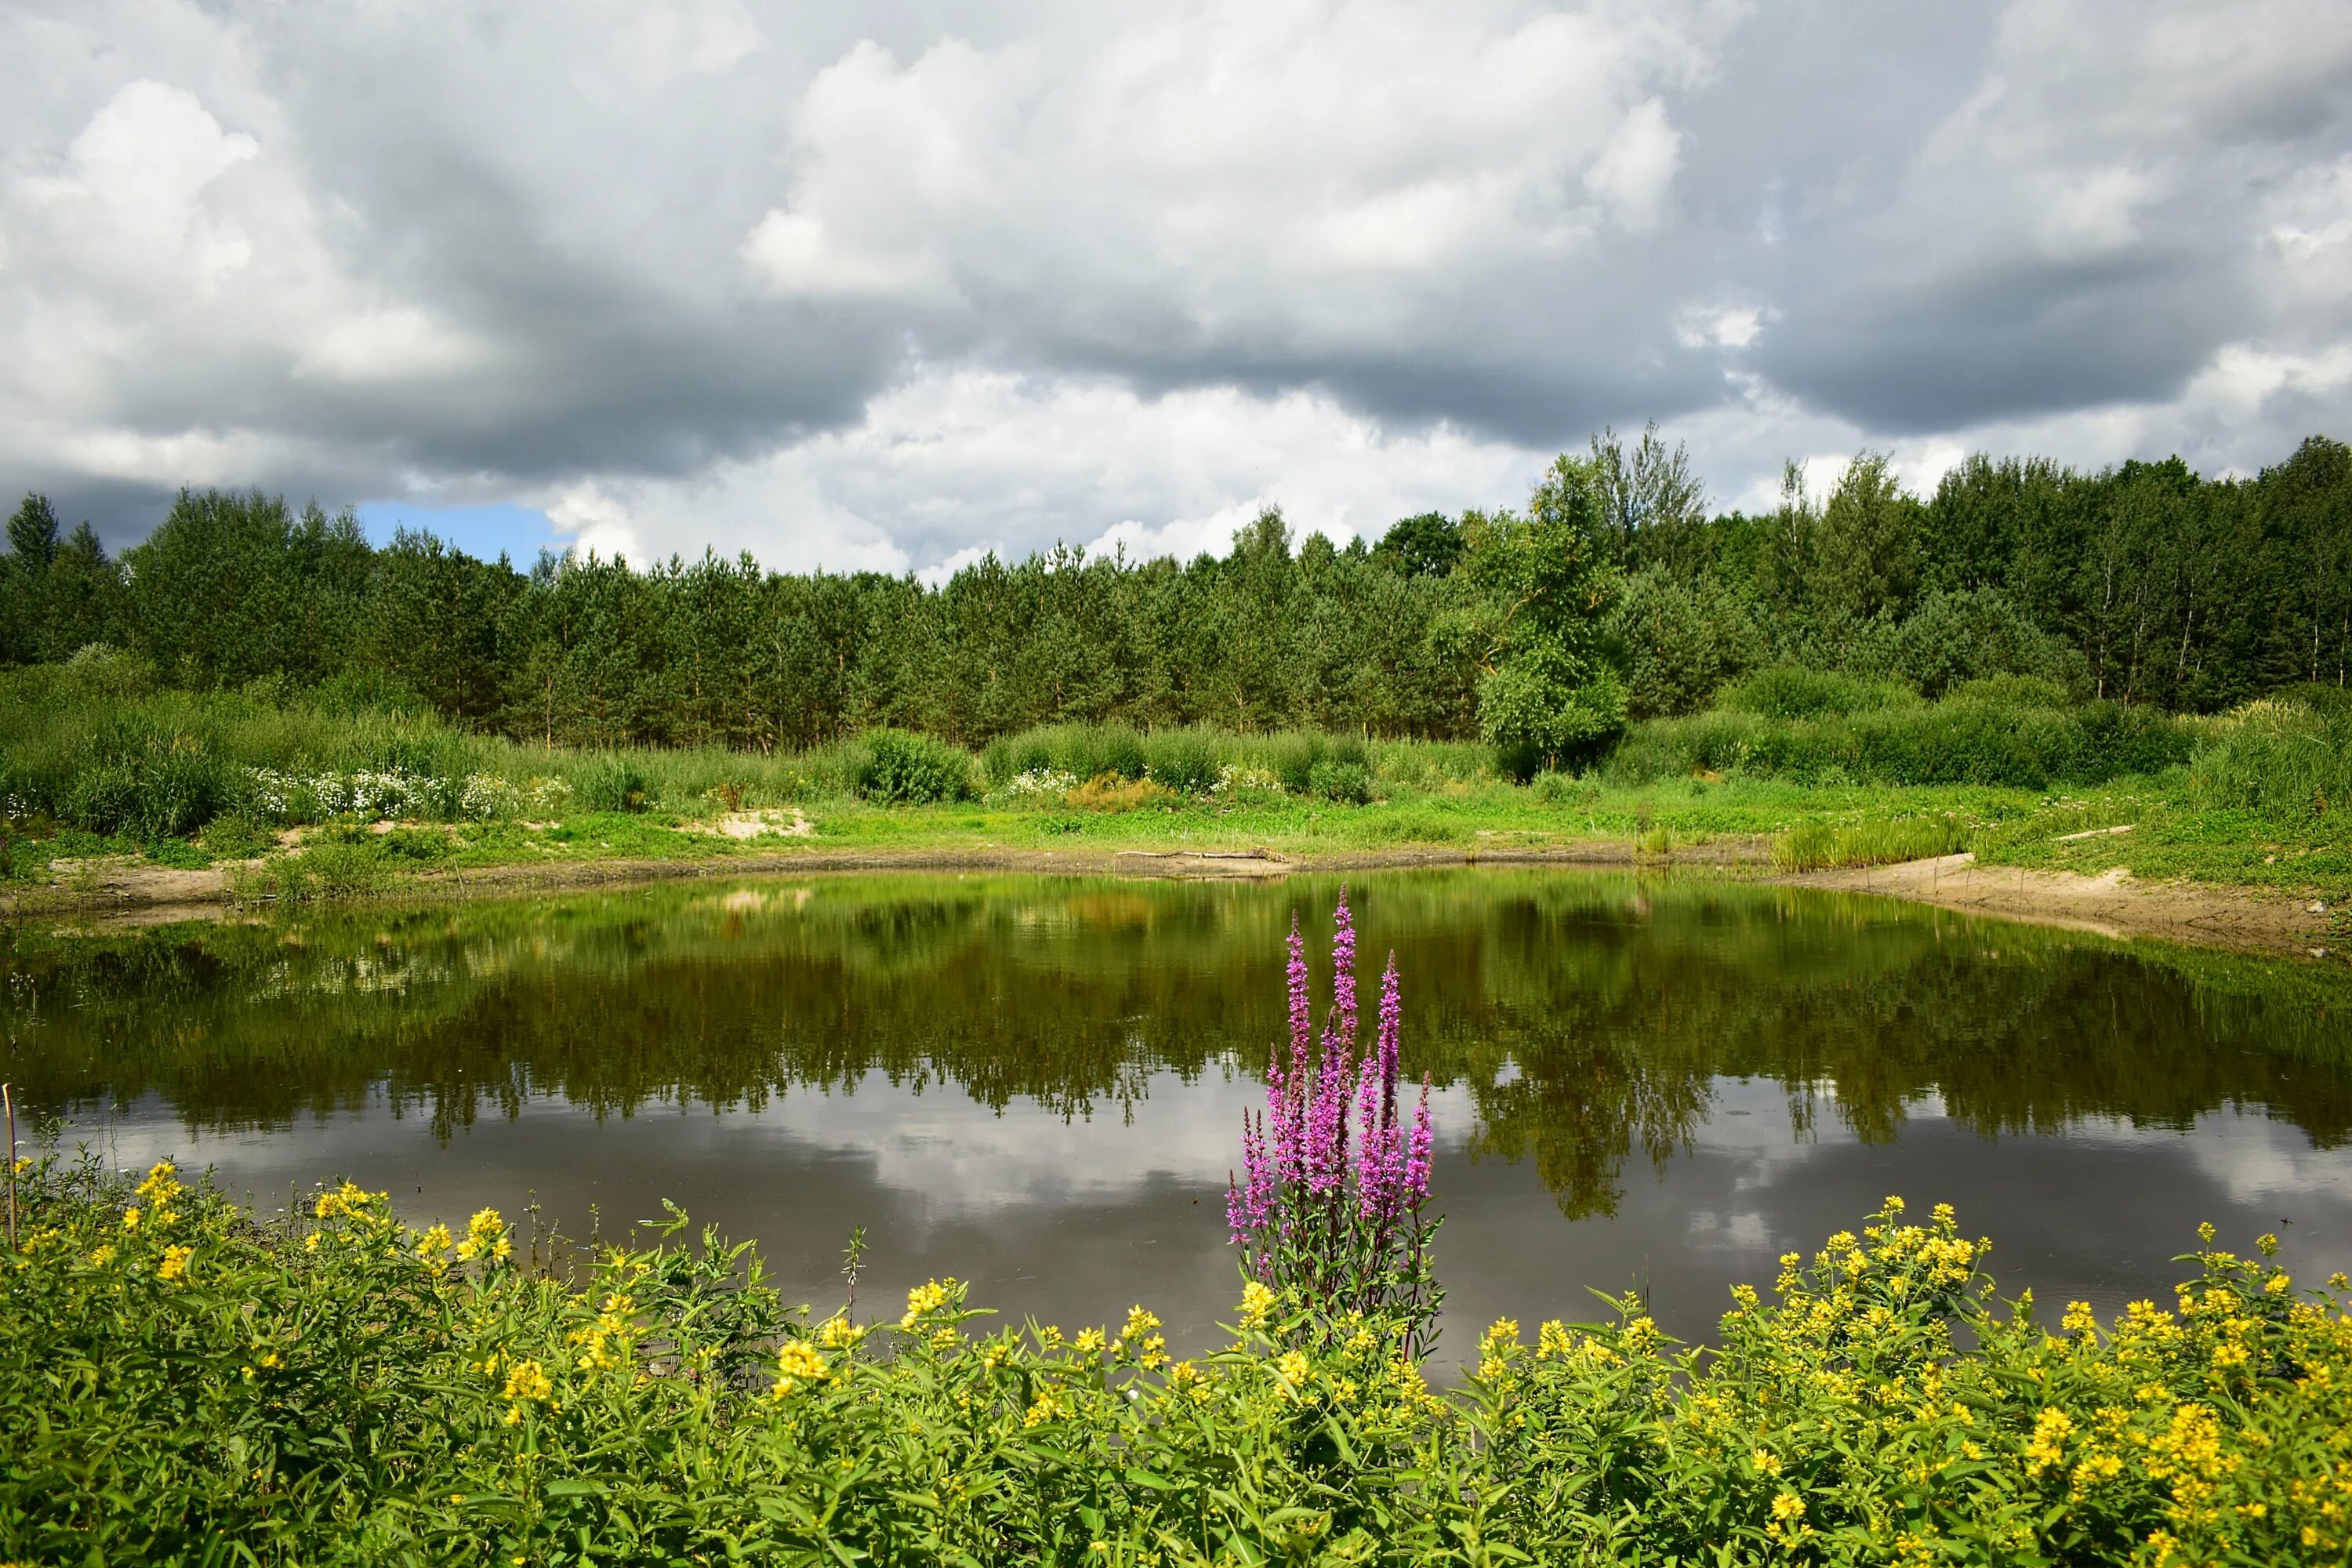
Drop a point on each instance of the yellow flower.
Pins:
(922, 1298)
(1048, 1406)
(1786, 1505)
(799, 1366)
(837, 1331)
(1139, 1324)
(162, 1184)
(1089, 1341)
(2045, 1448)
(1292, 1368)
(103, 1255)
(1257, 1301)
(131, 1217)
(1765, 1461)
(175, 1262)
(485, 1236)
(527, 1380)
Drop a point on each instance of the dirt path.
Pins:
(2114, 904)
(127, 892)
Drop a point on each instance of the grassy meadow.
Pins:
(335, 792)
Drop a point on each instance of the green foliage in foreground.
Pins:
(181, 1385)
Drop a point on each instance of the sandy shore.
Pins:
(2113, 905)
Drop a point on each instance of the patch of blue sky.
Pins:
(485, 531)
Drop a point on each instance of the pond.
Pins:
(1036, 1084)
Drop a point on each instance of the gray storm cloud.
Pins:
(884, 286)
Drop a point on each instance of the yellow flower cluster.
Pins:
(486, 1237)
(527, 1384)
(174, 1265)
(1258, 1302)
(2046, 1450)
(798, 1366)
(1141, 1334)
(431, 1250)
(347, 1199)
(1501, 1336)
(926, 1299)
(159, 1192)
(607, 1341)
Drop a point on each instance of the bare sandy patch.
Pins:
(2114, 903)
(772, 823)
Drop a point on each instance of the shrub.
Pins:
(1563, 789)
(2011, 692)
(1293, 755)
(898, 766)
(102, 670)
(1960, 635)
(610, 784)
(1184, 759)
(1349, 784)
(1786, 692)
(237, 837)
(365, 691)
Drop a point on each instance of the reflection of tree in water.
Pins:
(1614, 1006)
(1578, 1110)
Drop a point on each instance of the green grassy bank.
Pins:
(333, 793)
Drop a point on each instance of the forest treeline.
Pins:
(1613, 593)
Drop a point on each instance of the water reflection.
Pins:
(1034, 1084)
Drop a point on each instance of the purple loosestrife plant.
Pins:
(1337, 1230)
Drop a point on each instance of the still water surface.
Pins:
(1036, 1084)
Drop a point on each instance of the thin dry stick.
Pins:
(9, 1100)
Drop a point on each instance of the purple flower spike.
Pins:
(1391, 1022)
(1416, 1163)
(1343, 973)
(1329, 1197)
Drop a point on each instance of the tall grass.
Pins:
(1821, 846)
(1193, 760)
(168, 763)
(2287, 758)
(1994, 734)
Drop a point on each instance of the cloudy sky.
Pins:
(888, 285)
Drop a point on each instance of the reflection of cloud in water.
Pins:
(945, 1155)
